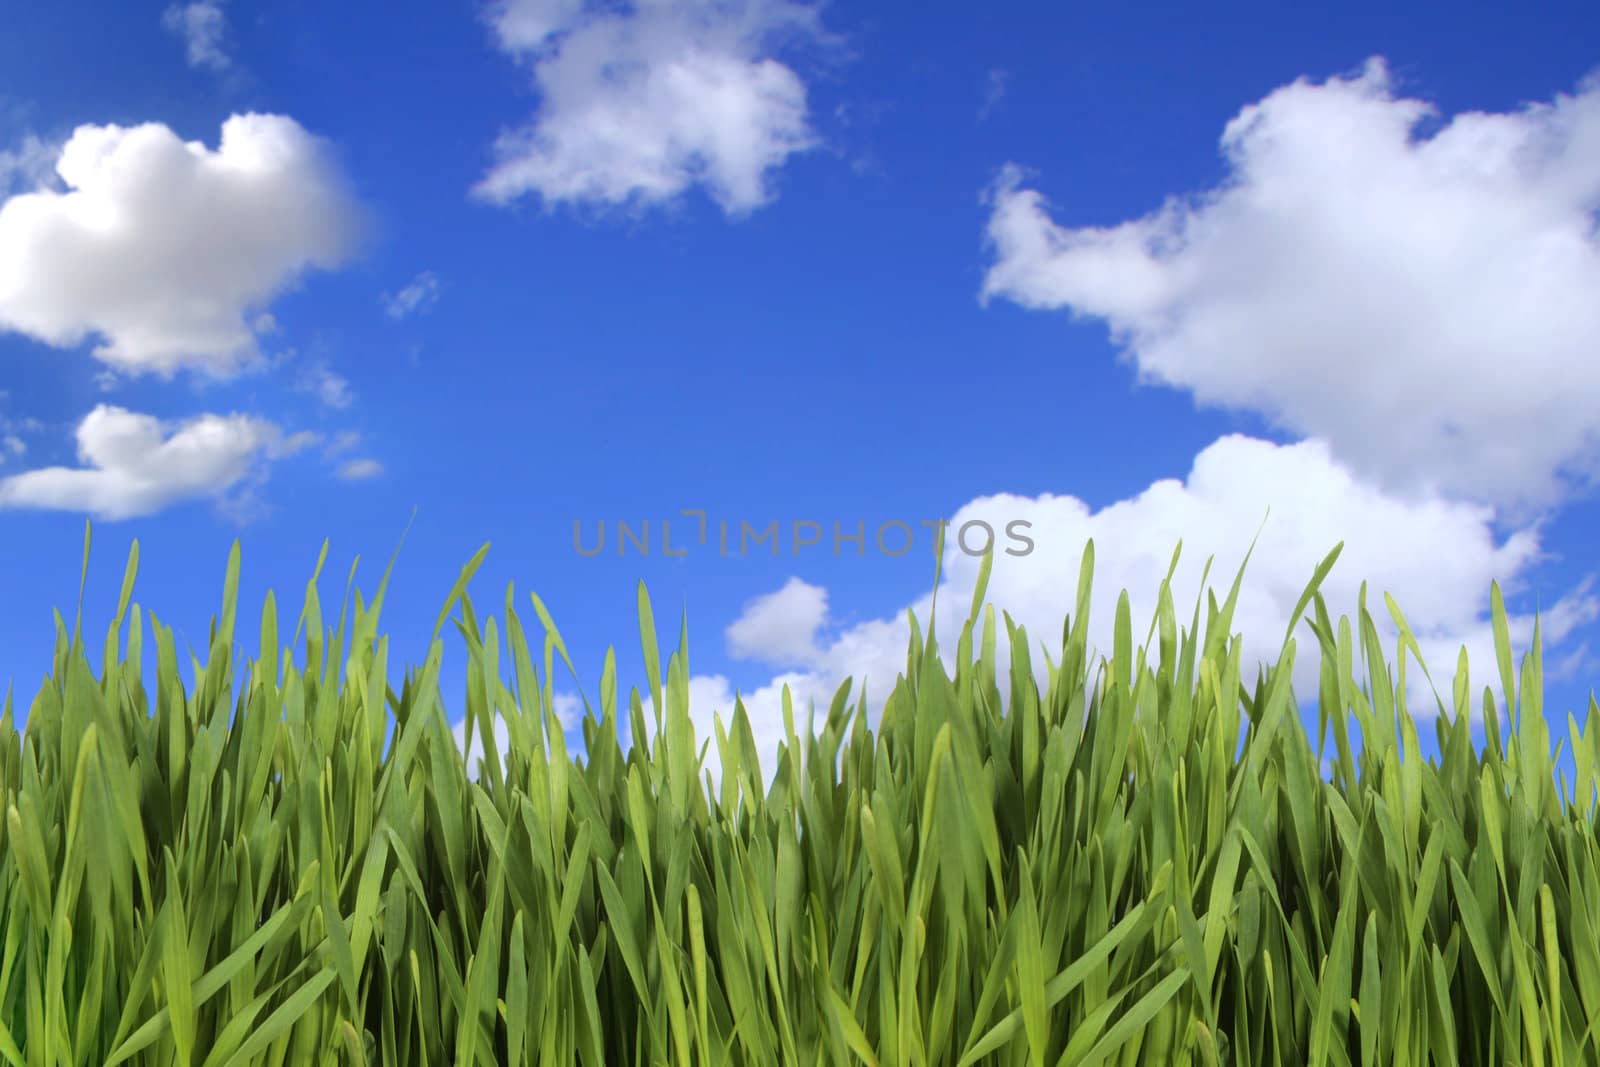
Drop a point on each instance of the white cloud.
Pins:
(134, 465)
(1425, 304)
(167, 250)
(780, 628)
(420, 295)
(1436, 557)
(356, 470)
(202, 25)
(640, 101)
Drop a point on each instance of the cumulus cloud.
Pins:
(640, 101)
(780, 628)
(167, 251)
(1425, 304)
(1436, 557)
(420, 295)
(202, 26)
(135, 465)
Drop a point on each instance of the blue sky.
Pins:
(284, 272)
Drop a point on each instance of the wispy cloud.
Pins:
(341, 443)
(28, 166)
(203, 27)
(417, 297)
(357, 470)
(994, 91)
(331, 388)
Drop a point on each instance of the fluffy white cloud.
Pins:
(202, 26)
(780, 628)
(356, 470)
(168, 250)
(640, 101)
(1436, 557)
(420, 295)
(135, 465)
(1425, 304)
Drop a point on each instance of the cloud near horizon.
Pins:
(1436, 557)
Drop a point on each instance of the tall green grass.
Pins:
(295, 866)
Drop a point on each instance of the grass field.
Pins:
(295, 865)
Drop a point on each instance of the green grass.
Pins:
(295, 866)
